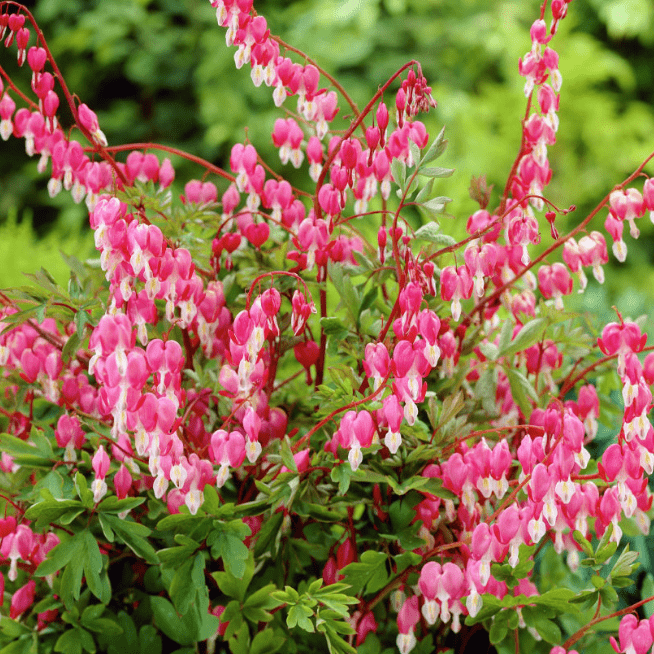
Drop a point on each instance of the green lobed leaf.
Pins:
(233, 586)
(170, 623)
(299, 615)
(229, 546)
(187, 580)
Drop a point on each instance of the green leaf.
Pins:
(436, 172)
(71, 581)
(625, 564)
(262, 598)
(132, 534)
(648, 591)
(13, 629)
(370, 573)
(167, 619)
(605, 553)
(315, 511)
(70, 642)
(211, 503)
(228, 545)
(49, 511)
(608, 595)
(240, 642)
(333, 327)
(179, 522)
(436, 149)
(299, 615)
(398, 170)
(93, 567)
(267, 642)
(60, 555)
(432, 233)
(342, 474)
(24, 453)
(498, 631)
(268, 533)
(231, 585)
(530, 334)
(415, 151)
(287, 454)
(149, 640)
(112, 504)
(582, 541)
(188, 579)
(485, 390)
(549, 631)
(521, 390)
(92, 619)
(22, 645)
(489, 350)
(436, 206)
(608, 532)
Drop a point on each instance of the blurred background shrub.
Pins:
(157, 70)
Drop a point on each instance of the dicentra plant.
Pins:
(281, 418)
